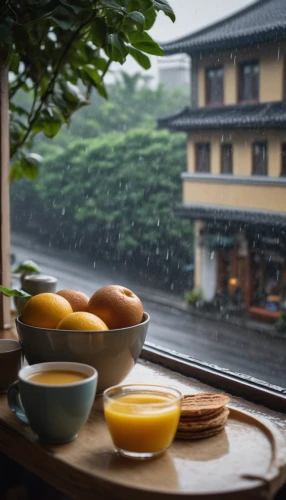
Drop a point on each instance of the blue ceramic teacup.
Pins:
(55, 412)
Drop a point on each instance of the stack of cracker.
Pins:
(202, 415)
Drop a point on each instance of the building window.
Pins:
(249, 82)
(283, 169)
(214, 86)
(226, 159)
(203, 158)
(259, 158)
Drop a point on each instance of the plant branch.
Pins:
(50, 87)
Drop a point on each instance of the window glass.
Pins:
(259, 158)
(226, 159)
(214, 86)
(203, 158)
(249, 82)
(174, 186)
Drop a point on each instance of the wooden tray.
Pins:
(246, 460)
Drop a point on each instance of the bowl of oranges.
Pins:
(106, 331)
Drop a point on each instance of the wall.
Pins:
(270, 198)
(272, 63)
(242, 150)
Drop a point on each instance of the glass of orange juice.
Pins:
(142, 419)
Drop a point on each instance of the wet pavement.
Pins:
(240, 349)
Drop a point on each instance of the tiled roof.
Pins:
(262, 21)
(243, 116)
(213, 213)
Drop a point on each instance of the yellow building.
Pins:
(235, 185)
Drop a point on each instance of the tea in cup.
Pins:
(142, 419)
(54, 398)
(10, 362)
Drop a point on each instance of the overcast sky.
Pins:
(191, 15)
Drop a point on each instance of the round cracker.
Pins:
(202, 404)
(199, 435)
(204, 424)
(201, 418)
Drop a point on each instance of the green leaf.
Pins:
(14, 63)
(150, 18)
(141, 5)
(16, 172)
(116, 40)
(141, 58)
(71, 4)
(143, 42)
(30, 170)
(166, 8)
(27, 265)
(137, 17)
(17, 130)
(9, 292)
(119, 50)
(64, 17)
(27, 165)
(100, 63)
(98, 31)
(111, 4)
(73, 94)
(49, 122)
(93, 73)
(18, 109)
(102, 91)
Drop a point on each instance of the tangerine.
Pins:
(81, 321)
(78, 300)
(45, 310)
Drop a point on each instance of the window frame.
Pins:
(262, 394)
(240, 86)
(199, 145)
(258, 392)
(283, 160)
(255, 144)
(208, 99)
(224, 146)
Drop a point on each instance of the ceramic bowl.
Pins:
(112, 353)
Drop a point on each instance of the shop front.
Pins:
(242, 267)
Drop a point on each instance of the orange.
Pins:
(78, 300)
(117, 306)
(81, 321)
(45, 310)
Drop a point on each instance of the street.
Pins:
(244, 351)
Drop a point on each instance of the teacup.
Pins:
(55, 411)
(10, 362)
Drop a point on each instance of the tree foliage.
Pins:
(132, 103)
(109, 184)
(112, 198)
(58, 50)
